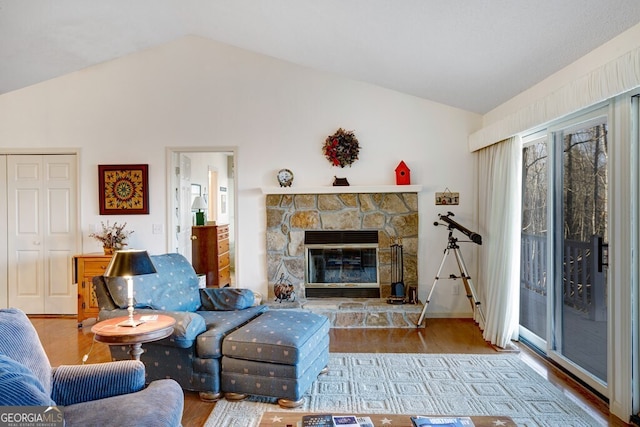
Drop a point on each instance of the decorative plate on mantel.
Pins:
(285, 177)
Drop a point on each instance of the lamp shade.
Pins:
(199, 203)
(130, 262)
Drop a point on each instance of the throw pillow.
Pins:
(226, 299)
(173, 288)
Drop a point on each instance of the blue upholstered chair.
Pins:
(204, 317)
(103, 394)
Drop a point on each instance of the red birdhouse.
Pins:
(403, 174)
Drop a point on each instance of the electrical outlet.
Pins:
(157, 229)
(455, 290)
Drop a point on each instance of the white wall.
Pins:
(199, 93)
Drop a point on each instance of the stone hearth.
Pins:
(345, 313)
(393, 215)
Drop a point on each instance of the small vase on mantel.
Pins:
(108, 250)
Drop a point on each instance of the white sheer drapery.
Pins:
(611, 79)
(499, 191)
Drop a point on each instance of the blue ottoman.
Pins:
(278, 354)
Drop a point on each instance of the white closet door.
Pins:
(42, 222)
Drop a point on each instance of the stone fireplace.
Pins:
(391, 216)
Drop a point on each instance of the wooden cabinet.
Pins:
(210, 253)
(85, 267)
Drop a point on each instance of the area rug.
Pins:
(423, 384)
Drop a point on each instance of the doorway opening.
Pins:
(209, 172)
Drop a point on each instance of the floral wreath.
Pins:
(341, 148)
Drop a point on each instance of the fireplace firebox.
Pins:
(342, 264)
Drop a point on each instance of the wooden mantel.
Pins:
(344, 189)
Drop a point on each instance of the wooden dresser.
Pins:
(210, 253)
(85, 267)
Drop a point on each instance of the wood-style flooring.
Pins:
(65, 343)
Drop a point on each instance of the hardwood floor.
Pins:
(65, 343)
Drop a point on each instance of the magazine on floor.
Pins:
(345, 421)
(328, 420)
(420, 421)
(317, 420)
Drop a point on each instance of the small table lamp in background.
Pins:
(199, 203)
(128, 263)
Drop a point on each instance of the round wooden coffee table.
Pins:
(155, 327)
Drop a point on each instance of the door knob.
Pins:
(194, 237)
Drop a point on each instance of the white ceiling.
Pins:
(470, 54)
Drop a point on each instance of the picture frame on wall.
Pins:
(124, 189)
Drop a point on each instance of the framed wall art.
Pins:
(124, 189)
(447, 197)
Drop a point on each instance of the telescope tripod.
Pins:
(466, 279)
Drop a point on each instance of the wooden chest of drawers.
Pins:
(85, 267)
(210, 254)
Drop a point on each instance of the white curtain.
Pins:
(499, 188)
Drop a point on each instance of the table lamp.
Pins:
(128, 263)
(199, 204)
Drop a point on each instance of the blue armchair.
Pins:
(204, 317)
(103, 394)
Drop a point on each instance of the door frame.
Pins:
(634, 364)
(171, 154)
(4, 247)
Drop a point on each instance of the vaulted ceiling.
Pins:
(469, 54)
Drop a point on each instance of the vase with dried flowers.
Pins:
(113, 237)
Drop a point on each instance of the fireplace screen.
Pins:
(341, 263)
(346, 265)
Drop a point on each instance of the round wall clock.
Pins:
(285, 177)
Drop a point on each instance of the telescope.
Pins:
(464, 274)
(475, 237)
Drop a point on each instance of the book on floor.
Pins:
(317, 420)
(420, 421)
(365, 422)
(345, 421)
(329, 420)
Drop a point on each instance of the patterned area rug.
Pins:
(423, 384)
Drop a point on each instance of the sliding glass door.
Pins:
(563, 286)
(534, 242)
(581, 221)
